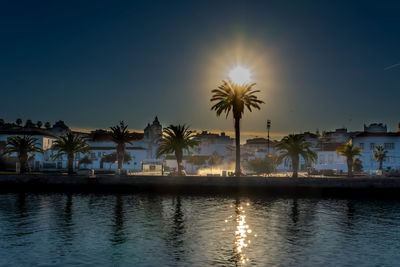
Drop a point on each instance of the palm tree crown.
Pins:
(22, 146)
(175, 139)
(293, 146)
(231, 96)
(380, 154)
(69, 145)
(349, 151)
(121, 136)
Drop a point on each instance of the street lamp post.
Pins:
(268, 127)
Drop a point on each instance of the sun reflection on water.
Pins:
(242, 233)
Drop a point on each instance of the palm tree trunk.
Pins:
(295, 166)
(350, 167)
(178, 155)
(70, 164)
(23, 161)
(120, 156)
(380, 164)
(237, 144)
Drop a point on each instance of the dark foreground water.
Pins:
(163, 230)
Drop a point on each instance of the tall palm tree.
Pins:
(22, 146)
(120, 136)
(231, 96)
(293, 146)
(349, 151)
(175, 139)
(68, 145)
(380, 155)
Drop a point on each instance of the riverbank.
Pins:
(315, 187)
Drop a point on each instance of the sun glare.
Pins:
(239, 75)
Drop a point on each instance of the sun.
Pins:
(239, 75)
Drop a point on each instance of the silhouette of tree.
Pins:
(69, 145)
(380, 155)
(18, 121)
(22, 146)
(175, 139)
(349, 151)
(120, 136)
(29, 124)
(265, 165)
(47, 125)
(293, 146)
(231, 96)
(39, 124)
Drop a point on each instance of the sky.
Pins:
(318, 64)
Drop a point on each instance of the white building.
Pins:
(210, 143)
(198, 157)
(142, 149)
(367, 141)
(36, 161)
(329, 159)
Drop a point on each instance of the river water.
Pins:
(168, 230)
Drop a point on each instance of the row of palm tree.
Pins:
(38, 124)
(350, 152)
(67, 145)
(27, 145)
(229, 96)
(175, 140)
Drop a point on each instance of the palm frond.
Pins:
(69, 144)
(232, 97)
(176, 138)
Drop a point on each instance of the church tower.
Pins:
(153, 134)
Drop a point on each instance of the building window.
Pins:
(321, 159)
(390, 159)
(330, 159)
(372, 146)
(362, 146)
(389, 145)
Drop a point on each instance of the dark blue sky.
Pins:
(319, 64)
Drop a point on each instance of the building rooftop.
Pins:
(378, 134)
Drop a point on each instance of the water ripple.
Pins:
(148, 230)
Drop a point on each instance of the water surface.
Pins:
(166, 230)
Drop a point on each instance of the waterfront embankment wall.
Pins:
(272, 186)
